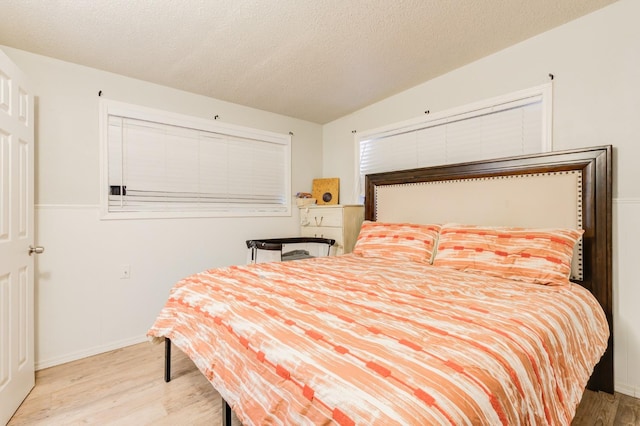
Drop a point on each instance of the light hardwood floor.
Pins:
(126, 387)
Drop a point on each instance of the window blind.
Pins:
(515, 124)
(166, 167)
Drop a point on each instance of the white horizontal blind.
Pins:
(511, 125)
(159, 168)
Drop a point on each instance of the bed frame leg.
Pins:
(226, 413)
(167, 359)
(226, 410)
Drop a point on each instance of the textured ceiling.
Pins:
(316, 60)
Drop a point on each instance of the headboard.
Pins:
(556, 189)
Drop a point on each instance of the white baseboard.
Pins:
(627, 390)
(52, 362)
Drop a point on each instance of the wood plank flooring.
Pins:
(122, 387)
(126, 387)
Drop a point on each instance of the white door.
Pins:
(17, 375)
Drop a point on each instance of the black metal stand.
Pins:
(277, 243)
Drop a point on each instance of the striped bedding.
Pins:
(350, 340)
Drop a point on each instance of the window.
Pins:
(515, 124)
(161, 164)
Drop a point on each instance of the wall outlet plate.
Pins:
(125, 272)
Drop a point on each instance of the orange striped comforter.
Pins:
(369, 341)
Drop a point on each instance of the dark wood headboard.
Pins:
(594, 165)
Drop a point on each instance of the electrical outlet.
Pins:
(125, 272)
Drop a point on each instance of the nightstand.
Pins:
(338, 222)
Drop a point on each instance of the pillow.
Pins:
(402, 241)
(541, 256)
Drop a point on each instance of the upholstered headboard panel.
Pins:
(557, 189)
(541, 200)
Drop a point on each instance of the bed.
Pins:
(427, 322)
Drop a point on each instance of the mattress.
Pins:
(350, 340)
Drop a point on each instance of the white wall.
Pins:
(82, 306)
(596, 64)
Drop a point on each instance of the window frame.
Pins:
(544, 92)
(108, 107)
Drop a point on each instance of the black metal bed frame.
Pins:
(226, 409)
